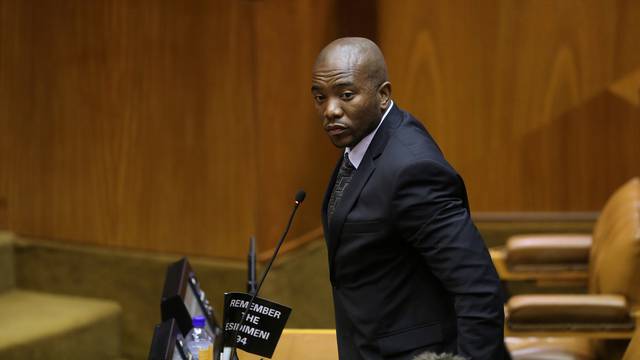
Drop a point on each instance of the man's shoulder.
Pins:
(411, 142)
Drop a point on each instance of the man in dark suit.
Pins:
(409, 270)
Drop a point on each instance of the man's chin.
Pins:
(340, 143)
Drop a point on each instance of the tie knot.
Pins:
(346, 163)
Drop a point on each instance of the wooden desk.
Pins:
(308, 344)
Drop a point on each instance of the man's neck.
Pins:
(357, 152)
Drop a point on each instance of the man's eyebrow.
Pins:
(343, 84)
(338, 84)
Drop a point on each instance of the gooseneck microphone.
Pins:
(298, 200)
(300, 197)
(251, 266)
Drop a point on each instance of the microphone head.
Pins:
(300, 196)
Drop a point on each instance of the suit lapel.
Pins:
(359, 180)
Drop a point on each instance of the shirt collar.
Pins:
(356, 153)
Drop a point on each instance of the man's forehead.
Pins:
(337, 69)
(337, 64)
(331, 71)
(341, 57)
(335, 77)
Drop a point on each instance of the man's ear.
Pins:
(384, 94)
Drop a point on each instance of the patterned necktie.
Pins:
(342, 181)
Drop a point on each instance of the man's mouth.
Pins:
(334, 130)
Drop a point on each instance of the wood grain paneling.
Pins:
(131, 123)
(6, 40)
(516, 93)
(294, 150)
(179, 126)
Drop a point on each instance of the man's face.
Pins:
(346, 101)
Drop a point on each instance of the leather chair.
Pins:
(563, 258)
(608, 311)
(633, 350)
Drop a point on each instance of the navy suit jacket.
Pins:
(409, 270)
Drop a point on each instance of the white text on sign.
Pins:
(260, 309)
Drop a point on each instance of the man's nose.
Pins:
(333, 110)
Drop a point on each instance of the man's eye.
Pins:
(318, 98)
(347, 95)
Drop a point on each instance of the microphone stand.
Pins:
(251, 266)
(299, 198)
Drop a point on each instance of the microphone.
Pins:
(298, 200)
(251, 266)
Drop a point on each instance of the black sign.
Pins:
(261, 329)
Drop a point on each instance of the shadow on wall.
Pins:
(4, 219)
(557, 149)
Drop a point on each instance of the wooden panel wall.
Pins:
(518, 94)
(7, 41)
(187, 126)
(134, 124)
(294, 151)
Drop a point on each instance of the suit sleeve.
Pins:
(431, 214)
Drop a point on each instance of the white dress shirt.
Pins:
(356, 153)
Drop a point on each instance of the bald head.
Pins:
(350, 89)
(355, 53)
